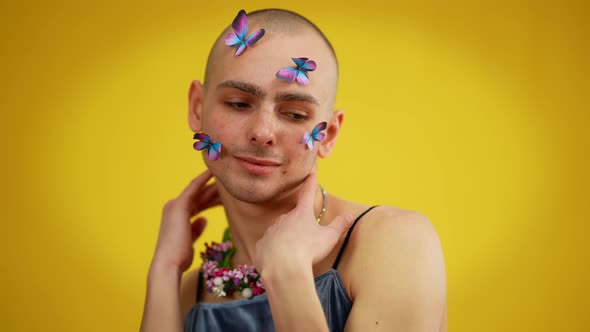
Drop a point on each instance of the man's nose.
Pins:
(262, 128)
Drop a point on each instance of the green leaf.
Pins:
(226, 235)
(225, 261)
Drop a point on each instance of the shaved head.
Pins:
(273, 21)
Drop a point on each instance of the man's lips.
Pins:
(263, 162)
(257, 165)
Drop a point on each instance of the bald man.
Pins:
(327, 264)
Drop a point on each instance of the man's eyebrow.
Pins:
(292, 96)
(244, 86)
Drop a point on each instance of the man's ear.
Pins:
(195, 105)
(334, 125)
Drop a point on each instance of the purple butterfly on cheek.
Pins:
(316, 135)
(298, 73)
(240, 26)
(214, 148)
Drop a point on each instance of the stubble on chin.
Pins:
(254, 190)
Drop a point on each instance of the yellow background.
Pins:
(472, 113)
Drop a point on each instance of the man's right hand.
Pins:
(174, 249)
(174, 254)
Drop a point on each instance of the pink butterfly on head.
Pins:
(240, 25)
(299, 73)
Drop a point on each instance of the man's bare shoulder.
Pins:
(385, 222)
(401, 252)
(388, 232)
(393, 235)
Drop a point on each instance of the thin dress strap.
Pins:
(199, 286)
(337, 261)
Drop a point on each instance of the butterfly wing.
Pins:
(204, 141)
(214, 151)
(287, 74)
(309, 65)
(200, 145)
(240, 48)
(307, 140)
(202, 137)
(299, 61)
(254, 37)
(240, 25)
(302, 77)
(316, 133)
(232, 39)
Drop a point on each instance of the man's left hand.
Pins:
(296, 240)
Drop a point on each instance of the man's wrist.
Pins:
(160, 268)
(293, 297)
(279, 276)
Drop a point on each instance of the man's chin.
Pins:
(252, 195)
(256, 191)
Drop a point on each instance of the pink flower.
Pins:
(222, 280)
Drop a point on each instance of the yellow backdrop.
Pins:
(473, 114)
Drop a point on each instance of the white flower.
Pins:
(247, 293)
(218, 281)
(218, 291)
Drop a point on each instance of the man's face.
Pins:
(260, 120)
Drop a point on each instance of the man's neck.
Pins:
(248, 221)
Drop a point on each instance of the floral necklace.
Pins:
(222, 279)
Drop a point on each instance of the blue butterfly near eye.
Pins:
(240, 26)
(206, 142)
(299, 73)
(316, 135)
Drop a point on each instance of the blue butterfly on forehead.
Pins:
(297, 73)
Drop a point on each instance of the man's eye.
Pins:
(297, 116)
(237, 105)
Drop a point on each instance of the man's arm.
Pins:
(397, 274)
(162, 305)
(174, 254)
(294, 301)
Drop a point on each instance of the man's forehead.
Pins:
(260, 63)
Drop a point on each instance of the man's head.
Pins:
(277, 21)
(259, 119)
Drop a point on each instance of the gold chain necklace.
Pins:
(324, 194)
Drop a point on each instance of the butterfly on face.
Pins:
(240, 26)
(316, 135)
(299, 73)
(206, 142)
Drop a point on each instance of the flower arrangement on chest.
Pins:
(221, 278)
